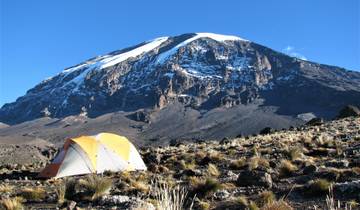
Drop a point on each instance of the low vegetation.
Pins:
(254, 172)
(33, 194)
(93, 187)
(12, 203)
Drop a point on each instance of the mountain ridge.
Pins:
(200, 75)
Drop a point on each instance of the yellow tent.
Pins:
(94, 154)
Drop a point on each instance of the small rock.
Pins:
(221, 194)
(71, 205)
(225, 141)
(349, 111)
(315, 121)
(266, 130)
(338, 164)
(310, 169)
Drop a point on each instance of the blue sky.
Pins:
(40, 38)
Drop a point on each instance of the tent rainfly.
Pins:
(94, 154)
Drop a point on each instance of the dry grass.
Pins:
(277, 205)
(295, 153)
(6, 188)
(238, 164)
(33, 194)
(140, 186)
(216, 156)
(60, 193)
(212, 170)
(319, 187)
(332, 204)
(287, 168)
(12, 203)
(253, 206)
(187, 165)
(258, 161)
(168, 198)
(95, 186)
(266, 197)
(242, 201)
(202, 188)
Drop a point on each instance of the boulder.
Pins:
(349, 111)
(125, 202)
(266, 130)
(315, 121)
(310, 169)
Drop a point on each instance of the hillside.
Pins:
(297, 165)
(196, 86)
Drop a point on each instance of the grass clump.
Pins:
(238, 164)
(60, 193)
(187, 165)
(6, 188)
(253, 206)
(212, 170)
(295, 153)
(287, 168)
(94, 187)
(169, 198)
(12, 203)
(203, 188)
(33, 194)
(277, 205)
(140, 186)
(258, 161)
(266, 197)
(319, 187)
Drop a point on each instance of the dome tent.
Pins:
(94, 154)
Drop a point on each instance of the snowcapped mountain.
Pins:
(198, 71)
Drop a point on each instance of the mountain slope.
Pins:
(200, 73)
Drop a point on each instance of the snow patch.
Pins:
(113, 60)
(217, 37)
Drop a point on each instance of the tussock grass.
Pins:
(287, 168)
(33, 194)
(238, 164)
(60, 191)
(12, 203)
(6, 188)
(319, 187)
(169, 198)
(187, 165)
(95, 186)
(277, 205)
(212, 170)
(295, 153)
(140, 186)
(253, 206)
(266, 197)
(257, 161)
(202, 188)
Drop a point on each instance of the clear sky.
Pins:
(39, 38)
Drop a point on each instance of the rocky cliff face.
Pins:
(202, 71)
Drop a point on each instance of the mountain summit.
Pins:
(202, 74)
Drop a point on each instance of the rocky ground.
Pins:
(289, 169)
